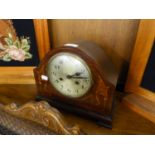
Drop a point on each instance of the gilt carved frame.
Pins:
(43, 114)
(24, 75)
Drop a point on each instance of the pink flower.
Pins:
(16, 54)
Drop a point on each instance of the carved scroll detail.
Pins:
(42, 113)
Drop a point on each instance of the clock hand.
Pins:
(76, 77)
(77, 74)
(79, 77)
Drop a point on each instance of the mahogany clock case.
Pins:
(97, 103)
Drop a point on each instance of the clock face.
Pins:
(69, 74)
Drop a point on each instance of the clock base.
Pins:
(105, 121)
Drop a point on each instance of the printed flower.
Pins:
(15, 49)
(16, 54)
(2, 54)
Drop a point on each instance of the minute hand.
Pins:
(79, 77)
(76, 77)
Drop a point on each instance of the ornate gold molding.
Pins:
(42, 113)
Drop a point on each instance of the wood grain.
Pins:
(125, 121)
(141, 100)
(16, 75)
(141, 105)
(117, 37)
(42, 36)
(141, 53)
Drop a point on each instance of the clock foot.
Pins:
(101, 123)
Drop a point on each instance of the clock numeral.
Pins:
(54, 73)
(69, 90)
(61, 79)
(57, 67)
(77, 82)
(86, 81)
(82, 70)
(61, 62)
(83, 87)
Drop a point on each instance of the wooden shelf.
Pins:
(125, 121)
(141, 105)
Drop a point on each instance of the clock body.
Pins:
(79, 78)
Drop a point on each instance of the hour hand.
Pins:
(77, 74)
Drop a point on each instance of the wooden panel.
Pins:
(17, 75)
(117, 37)
(141, 100)
(42, 36)
(141, 53)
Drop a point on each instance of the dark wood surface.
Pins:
(125, 121)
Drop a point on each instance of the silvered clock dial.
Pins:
(69, 74)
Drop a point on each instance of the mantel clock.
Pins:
(80, 78)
